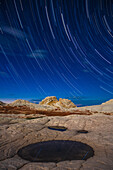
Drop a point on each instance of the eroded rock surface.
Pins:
(65, 103)
(16, 133)
(61, 104)
(47, 104)
(49, 101)
(20, 102)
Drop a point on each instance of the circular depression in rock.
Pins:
(56, 151)
(58, 128)
(82, 131)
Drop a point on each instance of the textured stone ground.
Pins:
(17, 131)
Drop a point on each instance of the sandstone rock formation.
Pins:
(108, 102)
(2, 103)
(21, 126)
(51, 104)
(31, 105)
(16, 133)
(65, 103)
(20, 102)
(106, 107)
(49, 101)
(62, 103)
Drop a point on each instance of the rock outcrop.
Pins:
(106, 107)
(20, 102)
(2, 103)
(16, 133)
(17, 129)
(108, 102)
(65, 103)
(61, 104)
(49, 101)
(51, 104)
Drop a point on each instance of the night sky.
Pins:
(61, 48)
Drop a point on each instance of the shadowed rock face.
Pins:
(2, 103)
(56, 151)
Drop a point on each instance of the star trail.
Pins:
(61, 48)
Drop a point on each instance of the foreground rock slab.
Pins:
(17, 132)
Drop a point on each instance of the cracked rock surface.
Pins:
(16, 133)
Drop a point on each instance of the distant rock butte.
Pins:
(65, 103)
(49, 101)
(62, 103)
(19, 102)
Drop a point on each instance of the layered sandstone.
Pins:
(2, 103)
(16, 133)
(65, 103)
(62, 103)
(20, 102)
(51, 104)
(49, 101)
(106, 107)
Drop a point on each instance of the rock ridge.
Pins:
(51, 103)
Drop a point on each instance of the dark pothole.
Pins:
(56, 151)
(59, 128)
(82, 131)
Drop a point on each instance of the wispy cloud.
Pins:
(35, 100)
(38, 54)
(14, 32)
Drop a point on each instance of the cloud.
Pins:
(14, 32)
(77, 97)
(38, 54)
(35, 100)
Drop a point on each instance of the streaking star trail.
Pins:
(56, 48)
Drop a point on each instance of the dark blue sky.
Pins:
(56, 47)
